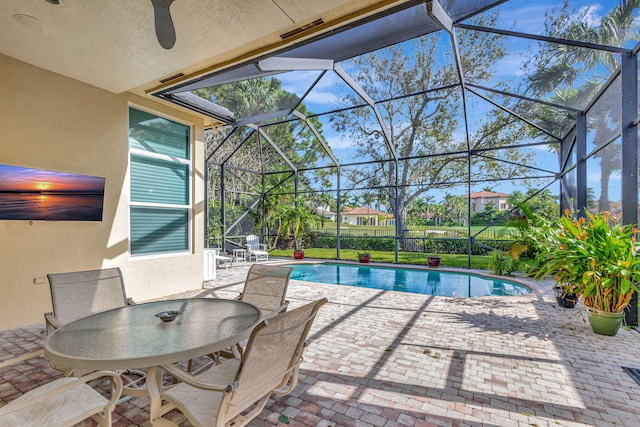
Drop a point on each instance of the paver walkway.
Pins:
(396, 359)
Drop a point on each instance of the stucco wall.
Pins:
(48, 121)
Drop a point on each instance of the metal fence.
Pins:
(425, 233)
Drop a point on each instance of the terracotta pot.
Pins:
(298, 254)
(433, 261)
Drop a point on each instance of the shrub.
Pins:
(501, 263)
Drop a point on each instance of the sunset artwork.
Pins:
(36, 194)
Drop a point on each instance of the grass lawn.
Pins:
(455, 260)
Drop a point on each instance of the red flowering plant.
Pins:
(593, 257)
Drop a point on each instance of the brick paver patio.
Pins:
(382, 358)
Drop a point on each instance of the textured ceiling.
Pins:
(111, 44)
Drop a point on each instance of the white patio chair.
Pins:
(265, 287)
(255, 249)
(222, 260)
(63, 402)
(222, 395)
(80, 294)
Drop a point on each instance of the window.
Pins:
(160, 204)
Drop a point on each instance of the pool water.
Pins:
(427, 282)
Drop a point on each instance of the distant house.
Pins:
(481, 199)
(326, 213)
(366, 216)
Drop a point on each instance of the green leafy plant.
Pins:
(501, 264)
(214, 236)
(505, 263)
(294, 220)
(593, 257)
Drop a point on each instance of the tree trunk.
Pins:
(401, 220)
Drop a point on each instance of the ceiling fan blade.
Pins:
(165, 31)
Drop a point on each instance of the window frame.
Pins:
(167, 158)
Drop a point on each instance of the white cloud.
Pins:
(326, 94)
(298, 81)
(589, 15)
(321, 98)
(529, 18)
(339, 142)
(615, 180)
(544, 148)
(510, 66)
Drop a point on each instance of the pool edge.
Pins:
(539, 288)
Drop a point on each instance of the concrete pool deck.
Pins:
(382, 358)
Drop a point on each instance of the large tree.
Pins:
(421, 123)
(541, 203)
(256, 171)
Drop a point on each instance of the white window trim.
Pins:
(166, 158)
(188, 207)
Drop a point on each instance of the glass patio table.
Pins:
(134, 337)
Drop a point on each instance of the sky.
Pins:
(518, 15)
(16, 178)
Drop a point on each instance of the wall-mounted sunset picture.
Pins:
(36, 194)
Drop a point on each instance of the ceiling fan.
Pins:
(165, 31)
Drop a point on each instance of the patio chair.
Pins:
(222, 395)
(255, 249)
(80, 294)
(63, 402)
(222, 260)
(265, 287)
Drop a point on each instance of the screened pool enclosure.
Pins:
(419, 127)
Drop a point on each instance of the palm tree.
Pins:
(415, 208)
(438, 212)
(456, 207)
(293, 220)
(559, 67)
(427, 200)
(368, 198)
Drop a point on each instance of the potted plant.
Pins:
(364, 257)
(594, 257)
(433, 261)
(566, 296)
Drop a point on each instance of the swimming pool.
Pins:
(428, 282)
